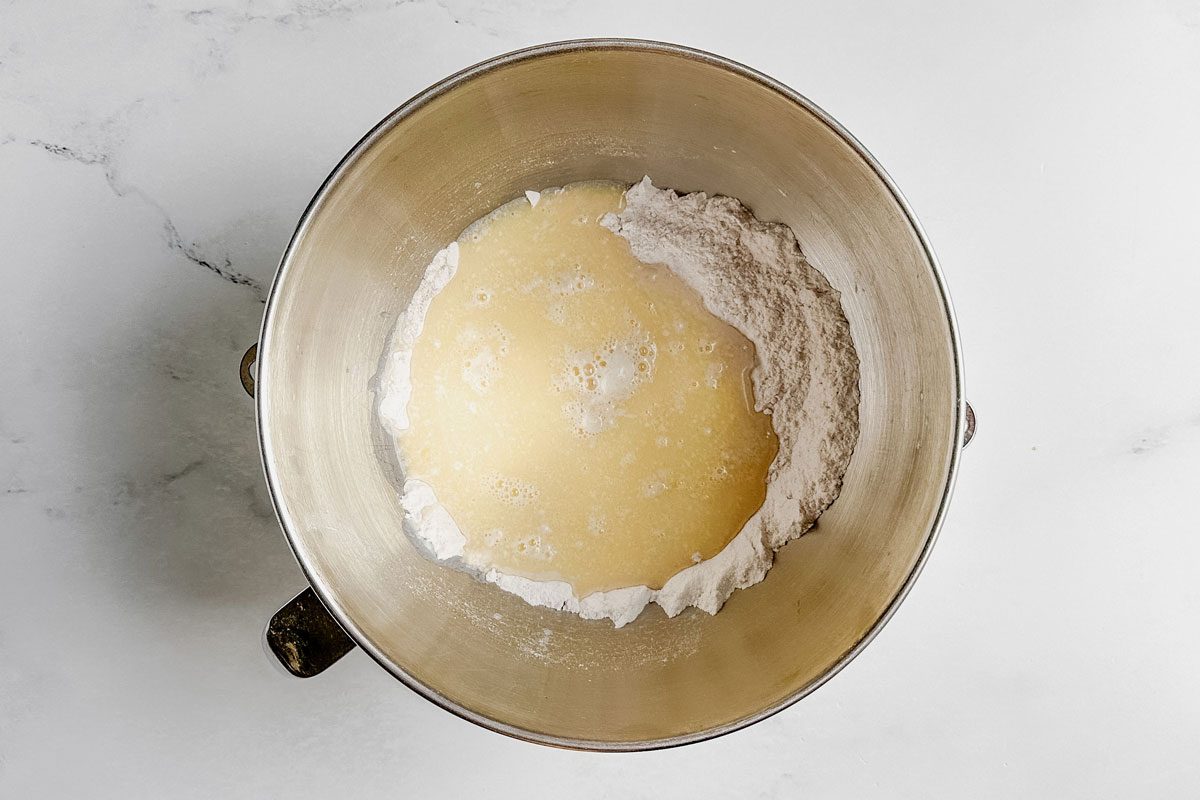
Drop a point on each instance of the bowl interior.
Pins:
(545, 118)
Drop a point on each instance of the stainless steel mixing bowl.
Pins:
(547, 116)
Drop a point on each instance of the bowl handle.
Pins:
(969, 434)
(244, 371)
(305, 637)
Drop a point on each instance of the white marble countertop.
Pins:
(153, 160)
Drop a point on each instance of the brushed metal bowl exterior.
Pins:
(547, 116)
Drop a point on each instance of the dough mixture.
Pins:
(604, 398)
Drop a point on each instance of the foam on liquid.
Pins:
(580, 415)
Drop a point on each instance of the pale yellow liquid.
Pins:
(580, 414)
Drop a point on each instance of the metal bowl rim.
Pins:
(265, 346)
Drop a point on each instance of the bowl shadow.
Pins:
(194, 522)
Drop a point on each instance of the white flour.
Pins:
(752, 275)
